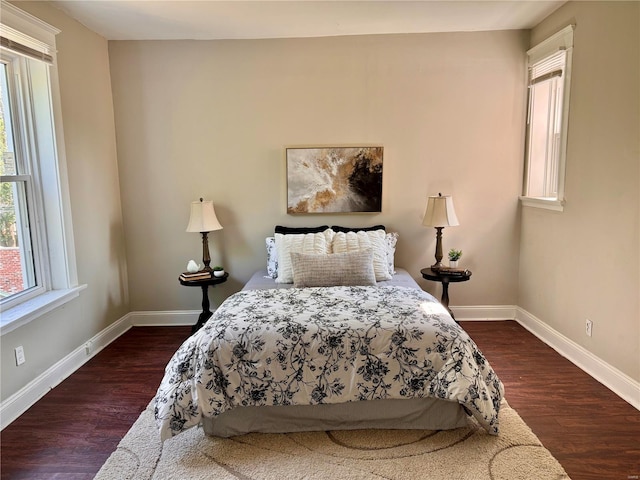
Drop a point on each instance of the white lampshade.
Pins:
(203, 217)
(440, 212)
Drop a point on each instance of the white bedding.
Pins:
(325, 345)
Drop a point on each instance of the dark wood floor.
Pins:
(70, 432)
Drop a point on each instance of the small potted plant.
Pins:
(454, 256)
(218, 271)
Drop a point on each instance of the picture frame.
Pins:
(334, 179)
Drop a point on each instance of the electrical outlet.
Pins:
(20, 358)
(589, 327)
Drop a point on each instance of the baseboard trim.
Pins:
(23, 399)
(618, 382)
(190, 317)
(167, 318)
(18, 403)
(484, 312)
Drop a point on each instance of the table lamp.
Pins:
(203, 219)
(439, 214)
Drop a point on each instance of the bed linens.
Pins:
(325, 345)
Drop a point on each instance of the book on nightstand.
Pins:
(453, 271)
(195, 276)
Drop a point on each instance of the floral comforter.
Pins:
(325, 345)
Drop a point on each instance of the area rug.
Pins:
(464, 453)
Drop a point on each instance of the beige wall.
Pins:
(211, 119)
(584, 262)
(87, 111)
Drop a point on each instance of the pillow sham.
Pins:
(327, 270)
(391, 239)
(299, 230)
(337, 228)
(272, 257)
(301, 243)
(362, 240)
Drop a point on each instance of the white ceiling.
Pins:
(237, 19)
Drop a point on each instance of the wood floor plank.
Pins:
(592, 432)
(73, 429)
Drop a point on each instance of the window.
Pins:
(549, 74)
(17, 256)
(37, 263)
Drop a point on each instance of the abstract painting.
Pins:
(334, 179)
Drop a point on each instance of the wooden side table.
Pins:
(445, 279)
(204, 284)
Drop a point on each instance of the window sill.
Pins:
(544, 203)
(22, 314)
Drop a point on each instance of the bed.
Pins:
(327, 352)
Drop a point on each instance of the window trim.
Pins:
(542, 202)
(52, 195)
(25, 312)
(562, 40)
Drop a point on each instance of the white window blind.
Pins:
(10, 45)
(548, 68)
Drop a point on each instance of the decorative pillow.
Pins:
(327, 270)
(272, 257)
(337, 228)
(362, 240)
(391, 239)
(301, 243)
(298, 230)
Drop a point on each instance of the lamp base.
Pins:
(438, 265)
(206, 259)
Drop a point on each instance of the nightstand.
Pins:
(204, 284)
(445, 279)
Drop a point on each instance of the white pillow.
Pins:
(362, 240)
(327, 270)
(300, 243)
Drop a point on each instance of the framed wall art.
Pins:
(334, 179)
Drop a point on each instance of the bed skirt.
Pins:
(415, 414)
